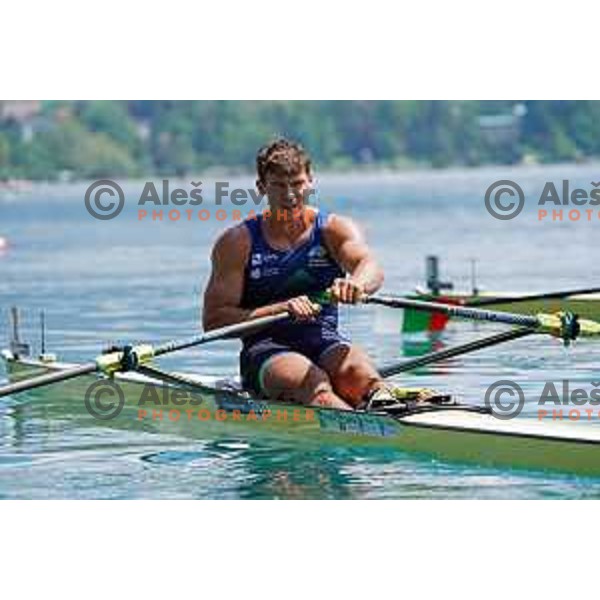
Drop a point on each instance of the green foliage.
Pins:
(110, 118)
(70, 148)
(562, 146)
(4, 150)
(91, 139)
(5, 158)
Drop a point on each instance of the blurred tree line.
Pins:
(92, 139)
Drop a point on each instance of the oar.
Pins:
(531, 297)
(433, 357)
(114, 361)
(565, 326)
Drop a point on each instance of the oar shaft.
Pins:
(47, 379)
(455, 311)
(433, 357)
(223, 333)
(531, 297)
(109, 363)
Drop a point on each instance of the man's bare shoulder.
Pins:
(339, 227)
(233, 242)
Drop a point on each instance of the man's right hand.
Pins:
(302, 309)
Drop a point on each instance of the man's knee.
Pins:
(297, 382)
(354, 379)
(351, 369)
(316, 384)
(317, 377)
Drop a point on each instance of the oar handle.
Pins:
(325, 297)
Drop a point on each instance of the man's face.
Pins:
(285, 191)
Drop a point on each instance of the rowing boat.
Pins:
(143, 397)
(205, 407)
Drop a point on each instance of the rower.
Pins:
(275, 263)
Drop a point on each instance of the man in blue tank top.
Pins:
(277, 262)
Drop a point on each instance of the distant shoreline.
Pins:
(23, 186)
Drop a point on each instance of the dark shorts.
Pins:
(313, 343)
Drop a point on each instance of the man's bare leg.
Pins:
(351, 372)
(293, 377)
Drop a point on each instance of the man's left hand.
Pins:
(347, 291)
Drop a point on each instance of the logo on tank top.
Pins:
(318, 257)
(260, 266)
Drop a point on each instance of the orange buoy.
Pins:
(3, 244)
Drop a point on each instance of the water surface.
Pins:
(125, 280)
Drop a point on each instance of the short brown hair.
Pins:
(284, 156)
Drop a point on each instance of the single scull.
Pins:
(146, 398)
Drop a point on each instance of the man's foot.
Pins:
(390, 398)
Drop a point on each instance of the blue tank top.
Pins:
(274, 275)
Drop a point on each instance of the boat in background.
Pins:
(584, 305)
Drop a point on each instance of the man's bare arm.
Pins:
(223, 292)
(349, 248)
